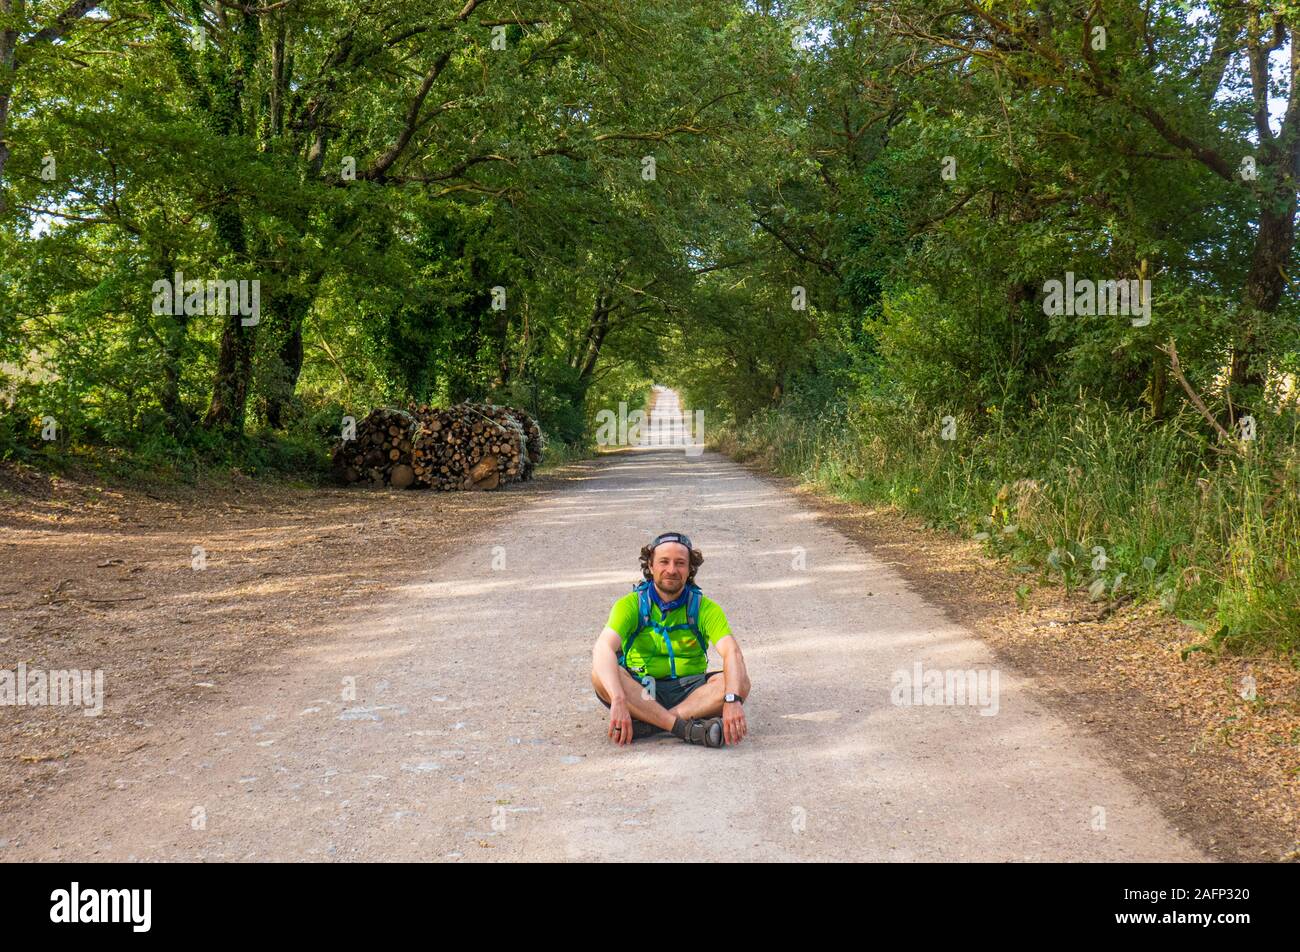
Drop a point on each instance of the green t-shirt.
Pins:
(648, 654)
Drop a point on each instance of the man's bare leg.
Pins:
(642, 708)
(704, 701)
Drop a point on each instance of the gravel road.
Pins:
(460, 725)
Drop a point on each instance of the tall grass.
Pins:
(1081, 496)
(558, 453)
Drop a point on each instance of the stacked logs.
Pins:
(470, 446)
(533, 439)
(380, 454)
(530, 453)
(467, 446)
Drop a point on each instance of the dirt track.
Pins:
(474, 734)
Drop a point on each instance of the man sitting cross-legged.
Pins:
(649, 663)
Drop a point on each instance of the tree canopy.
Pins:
(556, 202)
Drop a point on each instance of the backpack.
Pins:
(645, 620)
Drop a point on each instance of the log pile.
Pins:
(469, 446)
(380, 455)
(530, 452)
(533, 439)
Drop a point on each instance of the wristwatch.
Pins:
(733, 699)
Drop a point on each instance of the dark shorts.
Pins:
(670, 692)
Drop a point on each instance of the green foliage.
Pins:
(1080, 496)
(379, 173)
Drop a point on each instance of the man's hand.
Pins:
(620, 722)
(734, 727)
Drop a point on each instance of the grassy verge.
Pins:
(299, 456)
(559, 454)
(267, 456)
(1080, 497)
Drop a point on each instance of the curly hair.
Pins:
(648, 551)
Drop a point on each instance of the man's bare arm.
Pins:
(734, 674)
(604, 661)
(736, 680)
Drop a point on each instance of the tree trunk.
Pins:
(173, 347)
(8, 69)
(291, 367)
(588, 354)
(1261, 296)
(594, 344)
(501, 341)
(1159, 387)
(178, 415)
(235, 360)
(291, 311)
(234, 370)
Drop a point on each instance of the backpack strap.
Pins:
(643, 619)
(693, 616)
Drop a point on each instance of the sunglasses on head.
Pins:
(672, 537)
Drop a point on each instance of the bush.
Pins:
(1082, 496)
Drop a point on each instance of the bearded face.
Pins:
(670, 567)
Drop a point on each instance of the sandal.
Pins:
(707, 731)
